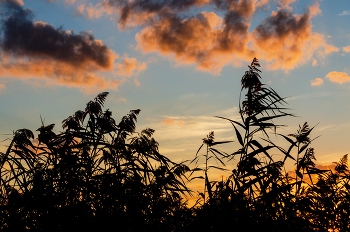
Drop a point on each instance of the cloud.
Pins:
(138, 12)
(206, 39)
(346, 49)
(262, 3)
(55, 72)
(285, 4)
(122, 99)
(170, 121)
(130, 67)
(137, 83)
(2, 86)
(79, 11)
(338, 77)
(69, 2)
(211, 40)
(315, 9)
(90, 12)
(317, 81)
(346, 12)
(196, 126)
(314, 62)
(16, 2)
(286, 40)
(32, 49)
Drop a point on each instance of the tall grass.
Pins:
(98, 174)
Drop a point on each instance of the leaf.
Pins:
(299, 174)
(260, 150)
(208, 186)
(199, 149)
(197, 169)
(257, 144)
(271, 117)
(222, 169)
(216, 143)
(232, 121)
(212, 150)
(197, 177)
(312, 170)
(239, 137)
(288, 139)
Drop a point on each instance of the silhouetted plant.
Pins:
(257, 195)
(95, 174)
(211, 153)
(101, 175)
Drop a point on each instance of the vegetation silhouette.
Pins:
(100, 175)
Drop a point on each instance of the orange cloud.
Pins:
(346, 49)
(315, 9)
(91, 12)
(338, 77)
(317, 81)
(80, 10)
(122, 99)
(286, 41)
(55, 72)
(285, 4)
(261, 3)
(314, 62)
(69, 2)
(168, 121)
(130, 67)
(201, 40)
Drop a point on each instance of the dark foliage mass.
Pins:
(102, 175)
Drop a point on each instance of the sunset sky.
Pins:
(180, 62)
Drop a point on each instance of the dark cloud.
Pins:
(35, 49)
(286, 40)
(21, 36)
(283, 24)
(130, 11)
(17, 2)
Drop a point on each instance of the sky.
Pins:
(180, 62)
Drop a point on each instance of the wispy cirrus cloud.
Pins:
(346, 12)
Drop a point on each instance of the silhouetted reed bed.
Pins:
(102, 175)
